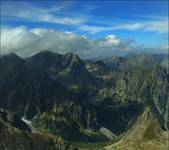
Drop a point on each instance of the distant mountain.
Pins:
(138, 60)
(75, 99)
(98, 68)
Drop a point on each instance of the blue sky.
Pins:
(116, 26)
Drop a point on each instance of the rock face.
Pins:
(72, 98)
(144, 134)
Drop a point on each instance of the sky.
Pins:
(89, 28)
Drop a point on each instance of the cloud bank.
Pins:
(26, 42)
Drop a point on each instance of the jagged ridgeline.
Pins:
(84, 103)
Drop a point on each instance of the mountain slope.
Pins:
(14, 138)
(145, 134)
(68, 68)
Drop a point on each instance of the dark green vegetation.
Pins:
(83, 101)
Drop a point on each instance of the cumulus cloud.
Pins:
(26, 42)
(112, 40)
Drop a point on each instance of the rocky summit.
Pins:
(51, 101)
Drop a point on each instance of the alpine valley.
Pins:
(51, 101)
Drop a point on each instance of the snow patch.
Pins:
(26, 121)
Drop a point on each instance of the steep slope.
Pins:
(46, 61)
(68, 68)
(145, 134)
(16, 135)
(77, 73)
(26, 89)
(147, 85)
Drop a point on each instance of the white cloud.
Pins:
(97, 29)
(94, 29)
(26, 42)
(45, 16)
(111, 40)
(68, 32)
(159, 25)
(59, 14)
(131, 26)
(39, 14)
(60, 7)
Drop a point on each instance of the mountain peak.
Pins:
(11, 56)
(76, 58)
(11, 62)
(68, 56)
(46, 54)
(71, 57)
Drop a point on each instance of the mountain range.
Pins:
(54, 101)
